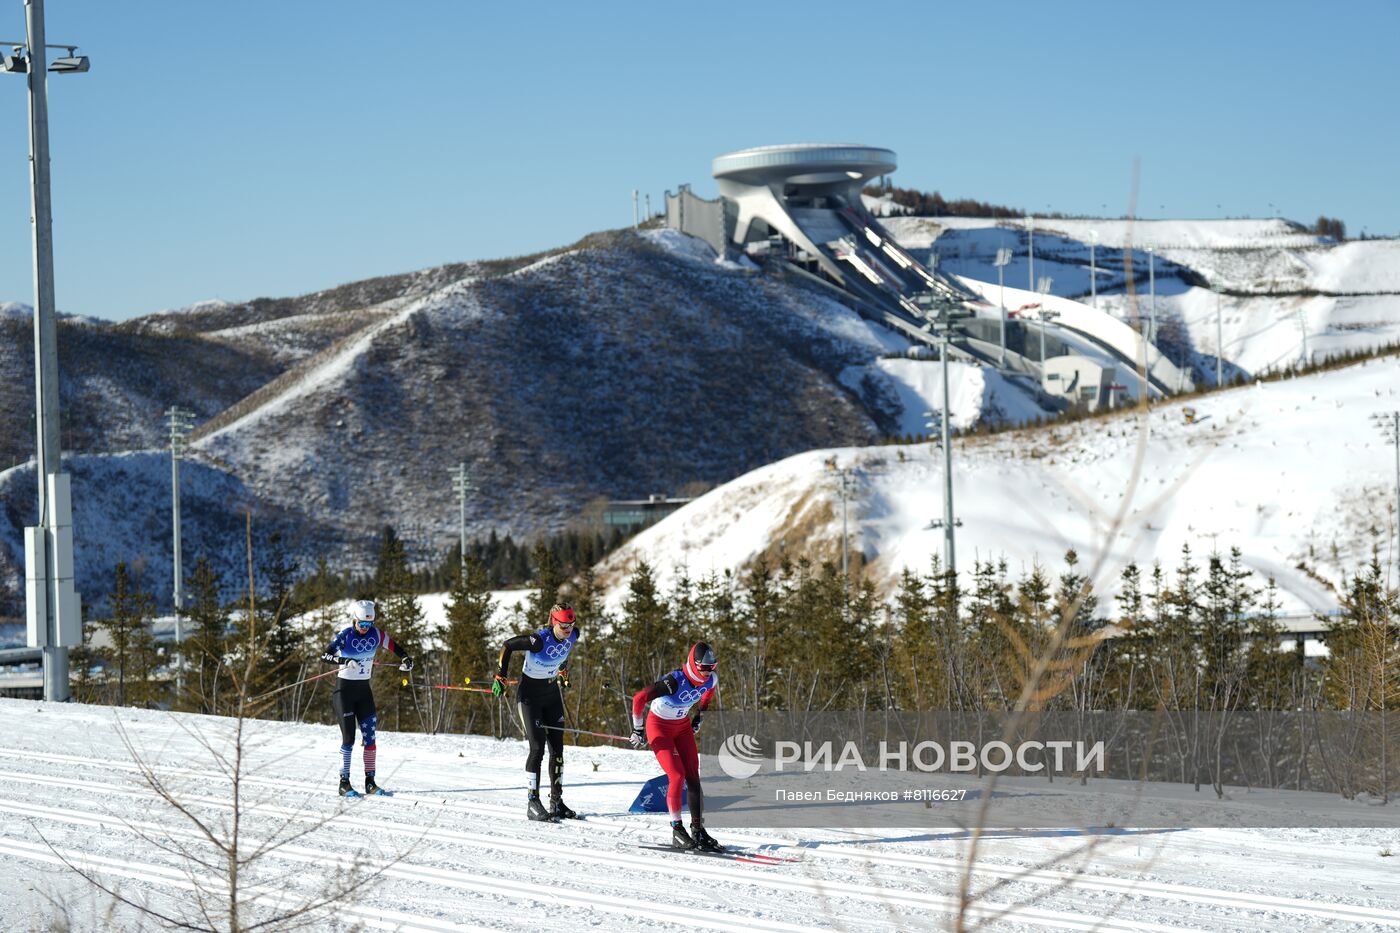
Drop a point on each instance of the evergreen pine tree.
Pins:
(132, 650)
(398, 611)
(467, 637)
(206, 646)
(545, 581)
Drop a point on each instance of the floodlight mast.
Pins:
(1030, 251)
(1389, 424)
(942, 311)
(1219, 342)
(53, 613)
(1152, 291)
(1093, 270)
(1043, 286)
(1003, 258)
(181, 423)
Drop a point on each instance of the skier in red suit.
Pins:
(670, 729)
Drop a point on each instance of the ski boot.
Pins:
(346, 790)
(372, 789)
(680, 839)
(703, 840)
(559, 810)
(536, 811)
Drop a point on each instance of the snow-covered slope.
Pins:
(124, 515)
(1286, 294)
(457, 854)
(616, 370)
(1291, 472)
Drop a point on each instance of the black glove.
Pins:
(695, 723)
(347, 661)
(406, 663)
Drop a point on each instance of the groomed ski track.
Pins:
(457, 854)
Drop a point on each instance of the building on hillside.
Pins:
(799, 208)
(1080, 381)
(632, 514)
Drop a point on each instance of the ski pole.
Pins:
(601, 735)
(447, 687)
(304, 680)
(608, 686)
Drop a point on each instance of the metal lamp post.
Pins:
(53, 613)
(180, 422)
(1001, 262)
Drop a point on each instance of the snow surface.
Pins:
(1286, 291)
(1291, 472)
(458, 854)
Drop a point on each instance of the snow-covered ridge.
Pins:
(1291, 472)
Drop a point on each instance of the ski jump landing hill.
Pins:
(801, 205)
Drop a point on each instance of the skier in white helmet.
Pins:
(353, 699)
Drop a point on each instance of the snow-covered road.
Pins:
(453, 850)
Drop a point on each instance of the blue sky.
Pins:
(260, 148)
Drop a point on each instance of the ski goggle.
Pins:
(564, 618)
(705, 668)
(363, 624)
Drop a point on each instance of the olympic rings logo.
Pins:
(364, 644)
(557, 650)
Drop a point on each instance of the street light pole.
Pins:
(181, 421)
(53, 613)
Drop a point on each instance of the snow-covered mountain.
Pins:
(626, 365)
(1292, 472)
(1284, 293)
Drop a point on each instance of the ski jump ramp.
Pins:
(805, 200)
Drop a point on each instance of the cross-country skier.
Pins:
(353, 700)
(670, 729)
(541, 705)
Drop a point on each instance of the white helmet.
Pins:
(362, 610)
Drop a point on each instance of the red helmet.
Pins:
(701, 663)
(561, 614)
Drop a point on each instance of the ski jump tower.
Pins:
(801, 205)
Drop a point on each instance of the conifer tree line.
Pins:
(1197, 636)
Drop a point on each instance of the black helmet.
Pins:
(701, 663)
